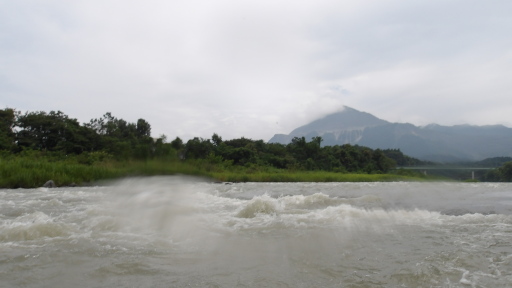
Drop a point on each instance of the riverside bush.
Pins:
(33, 169)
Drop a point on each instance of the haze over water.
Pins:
(183, 232)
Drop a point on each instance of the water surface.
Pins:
(183, 232)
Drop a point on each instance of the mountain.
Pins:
(339, 128)
(431, 143)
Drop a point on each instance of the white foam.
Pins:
(32, 226)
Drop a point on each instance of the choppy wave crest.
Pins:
(320, 210)
(32, 226)
(258, 205)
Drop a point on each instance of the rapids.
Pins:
(186, 232)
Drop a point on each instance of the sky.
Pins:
(256, 68)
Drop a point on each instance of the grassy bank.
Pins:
(23, 172)
(33, 171)
(307, 176)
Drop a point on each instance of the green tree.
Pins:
(124, 139)
(143, 129)
(53, 131)
(401, 159)
(505, 172)
(198, 148)
(313, 148)
(216, 139)
(7, 123)
(163, 150)
(383, 163)
(240, 156)
(177, 144)
(297, 149)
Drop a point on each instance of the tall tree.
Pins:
(198, 148)
(143, 129)
(7, 122)
(53, 131)
(177, 144)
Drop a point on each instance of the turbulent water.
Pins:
(183, 232)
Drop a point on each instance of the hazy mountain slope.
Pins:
(341, 127)
(347, 119)
(432, 142)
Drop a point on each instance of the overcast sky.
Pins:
(257, 68)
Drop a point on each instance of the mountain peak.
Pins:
(431, 142)
(346, 119)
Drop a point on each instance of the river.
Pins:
(186, 232)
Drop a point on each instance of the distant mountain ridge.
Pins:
(431, 143)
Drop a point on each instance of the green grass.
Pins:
(27, 172)
(24, 172)
(307, 176)
(31, 171)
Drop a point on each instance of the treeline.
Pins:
(501, 174)
(108, 136)
(403, 160)
(56, 133)
(298, 155)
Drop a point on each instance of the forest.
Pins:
(58, 137)
(58, 134)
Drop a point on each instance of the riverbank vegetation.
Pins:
(39, 146)
(33, 168)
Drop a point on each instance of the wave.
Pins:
(182, 209)
(32, 226)
(257, 206)
(320, 210)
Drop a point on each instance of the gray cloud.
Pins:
(254, 69)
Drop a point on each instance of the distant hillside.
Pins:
(431, 143)
(489, 162)
(342, 127)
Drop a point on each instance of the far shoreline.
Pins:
(349, 178)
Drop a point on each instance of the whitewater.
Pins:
(189, 232)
